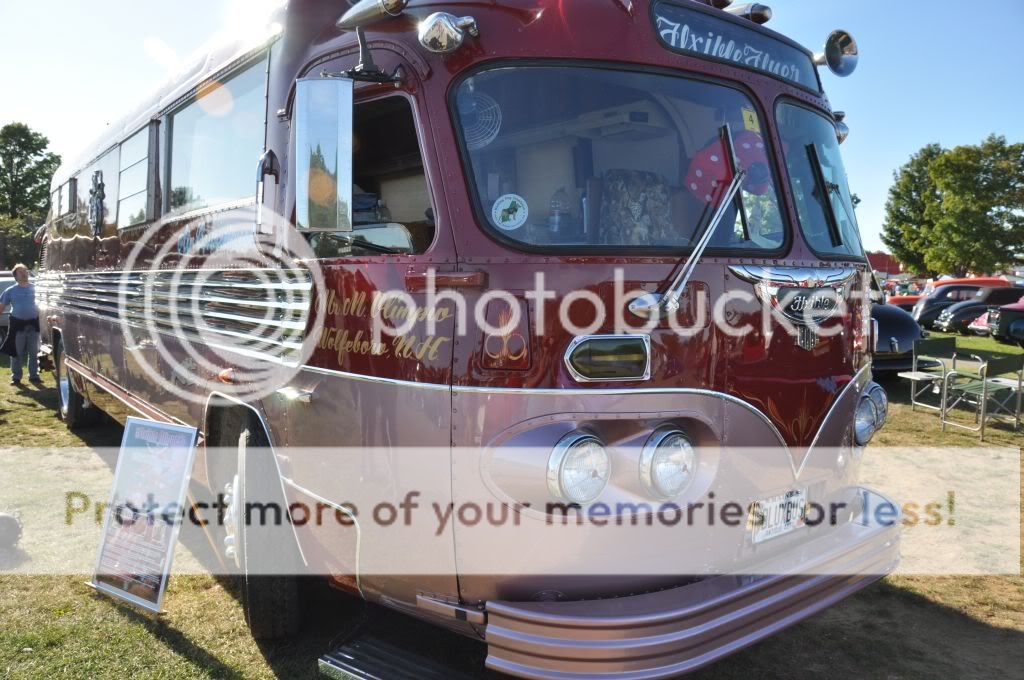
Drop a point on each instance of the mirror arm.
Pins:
(366, 71)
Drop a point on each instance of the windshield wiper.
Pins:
(363, 243)
(652, 305)
(825, 190)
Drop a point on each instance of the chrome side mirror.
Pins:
(840, 53)
(443, 33)
(323, 154)
(366, 12)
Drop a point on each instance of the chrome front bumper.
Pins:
(667, 633)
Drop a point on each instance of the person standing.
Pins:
(23, 334)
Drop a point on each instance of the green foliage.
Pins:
(958, 211)
(16, 243)
(978, 223)
(26, 168)
(907, 227)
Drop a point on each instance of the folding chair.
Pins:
(926, 375)
(983, 389)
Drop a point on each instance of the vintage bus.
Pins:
(220, 258)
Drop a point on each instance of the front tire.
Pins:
(72, 407)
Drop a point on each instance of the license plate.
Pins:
(778, 515)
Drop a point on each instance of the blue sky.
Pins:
(929, 71)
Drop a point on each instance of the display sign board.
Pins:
(145, 510)
(697, 33)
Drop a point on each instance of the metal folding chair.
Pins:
(929, 370)
(992, 395)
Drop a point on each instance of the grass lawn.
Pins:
(902, 627)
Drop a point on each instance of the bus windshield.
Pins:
(580, 158)
(818, 181)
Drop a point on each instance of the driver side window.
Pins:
(392, 212)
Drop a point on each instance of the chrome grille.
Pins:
(255, 311)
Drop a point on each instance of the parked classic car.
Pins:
(956, 317)
(1006, 323)
(927, 310)
(895, 332)
(907, 302)
(894, 339)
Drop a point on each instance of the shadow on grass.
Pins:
(883, 632)
(179, 643)
(11, 558)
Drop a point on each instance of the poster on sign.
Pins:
(145, 510)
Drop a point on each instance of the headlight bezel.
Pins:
(880, 398)
(861, 436)
(560, 454)
(656, 443)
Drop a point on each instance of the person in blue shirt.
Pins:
(23, 334)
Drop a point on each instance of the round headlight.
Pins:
(668, 463)
(579, 468)
(881, 401)
(864, 421)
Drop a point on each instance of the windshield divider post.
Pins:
(730, 153)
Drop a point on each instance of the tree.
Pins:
(907, 228)
(978, 223)
(16, 243)
(26, 168)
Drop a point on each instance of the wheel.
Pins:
(264, 552)
(72, 407)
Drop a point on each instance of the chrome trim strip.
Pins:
(552, 392)
(84, 371)
(359, 377)
(860, 379)
(802, 277)
(580, 339)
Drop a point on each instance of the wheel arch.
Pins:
(221, 414)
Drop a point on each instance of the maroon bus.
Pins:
(642, 209)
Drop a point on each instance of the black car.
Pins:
(927, 309)
(956, 317)
(895, 333)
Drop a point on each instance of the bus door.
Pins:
(376, 404)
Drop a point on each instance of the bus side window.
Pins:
(391, 203)
(215, 141)
(133, 179)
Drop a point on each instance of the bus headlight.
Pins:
(881, 401)
(579, 468)
(864, 421)
(668, 463)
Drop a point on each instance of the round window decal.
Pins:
(510, 212)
